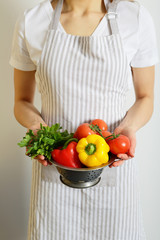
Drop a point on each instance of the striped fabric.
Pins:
(81, 78)
(99, 213)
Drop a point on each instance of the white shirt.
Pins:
(135, 24)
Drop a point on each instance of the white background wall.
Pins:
(15, 168)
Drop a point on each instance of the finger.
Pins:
(117, 130)
(43, 162)
(132, 147)
(117, 163)
(124, 156)
(40, 157)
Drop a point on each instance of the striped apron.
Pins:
(82, 78)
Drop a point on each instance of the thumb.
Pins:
(133, 146)
(117, 130)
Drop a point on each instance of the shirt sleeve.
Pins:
(147, 52)
(20, 58)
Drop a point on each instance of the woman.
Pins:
(83, 56)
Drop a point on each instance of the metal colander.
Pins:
(81, 177)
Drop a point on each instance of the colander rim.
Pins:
(84, 169)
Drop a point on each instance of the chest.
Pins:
(82, 26)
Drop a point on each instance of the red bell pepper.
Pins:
(67, 156)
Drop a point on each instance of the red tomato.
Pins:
(83, 131)
(101, 124)
(120, 144)
(106, 134)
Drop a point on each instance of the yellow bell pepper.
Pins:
(93, 150)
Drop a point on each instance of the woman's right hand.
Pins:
(40, 158)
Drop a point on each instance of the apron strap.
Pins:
(56, 15)
(112, 15)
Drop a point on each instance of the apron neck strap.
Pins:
(112, 15)
(56, 15)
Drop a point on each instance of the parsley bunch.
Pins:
(45, 140)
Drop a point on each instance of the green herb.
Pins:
(45, 140)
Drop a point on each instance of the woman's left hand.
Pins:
(132, 137)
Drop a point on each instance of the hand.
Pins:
(40, 158)
(132, 137)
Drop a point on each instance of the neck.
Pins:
(82, 7)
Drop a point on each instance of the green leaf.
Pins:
(30, 133)
(45, 140)
(25, 141)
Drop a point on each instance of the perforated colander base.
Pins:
(79, 184)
